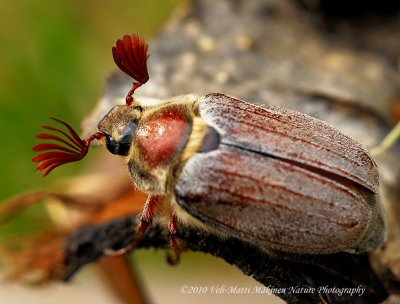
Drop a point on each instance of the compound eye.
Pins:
(121, 146)
(111, 143)
(126, 139)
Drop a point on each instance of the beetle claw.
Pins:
(173, 257)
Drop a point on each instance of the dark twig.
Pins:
(309, 275)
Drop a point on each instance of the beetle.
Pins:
(274, 177)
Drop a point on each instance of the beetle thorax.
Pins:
(160, 138)
(156, 141)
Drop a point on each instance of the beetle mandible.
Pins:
(276, 178)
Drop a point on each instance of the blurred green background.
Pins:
(54, 56)
(53, 59)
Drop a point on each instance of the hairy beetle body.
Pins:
(163, 135)
(277, 178)
(273, 177)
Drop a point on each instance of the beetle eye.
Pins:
(122, 146)
(111, 144)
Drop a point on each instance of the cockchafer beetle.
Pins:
(276, 178)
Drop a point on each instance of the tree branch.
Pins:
(313, 277)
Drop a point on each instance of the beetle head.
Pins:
(119, 126)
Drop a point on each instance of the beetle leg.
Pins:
(147, 214)
(173, 258)
(145, 220)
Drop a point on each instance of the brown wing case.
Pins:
(291, 136)
(272, 203)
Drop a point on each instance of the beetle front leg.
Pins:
(145, 220)
(174, 257)
(147, 214)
